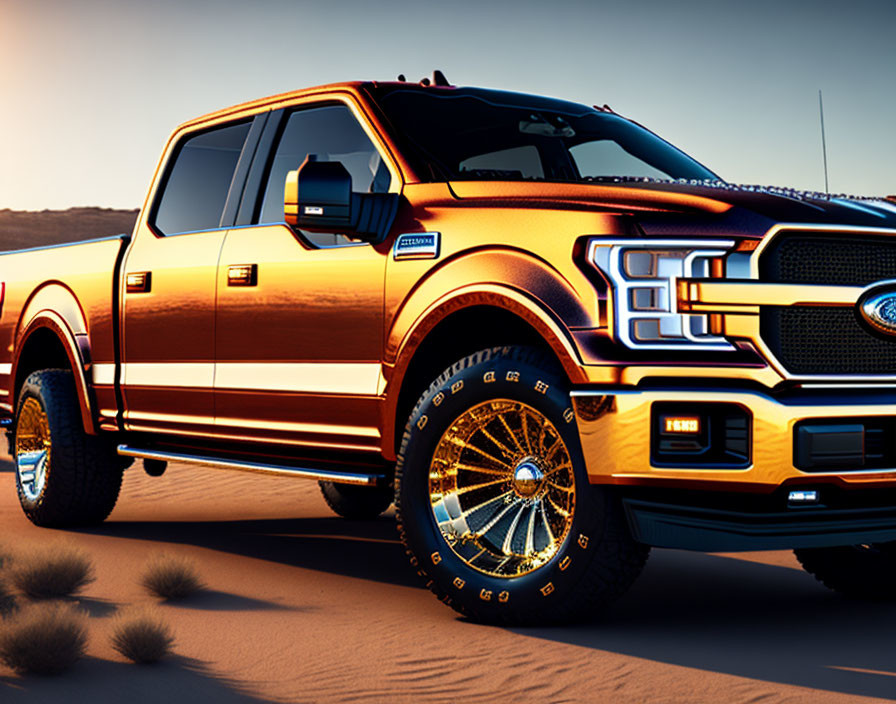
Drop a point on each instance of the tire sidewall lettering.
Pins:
(498, 377)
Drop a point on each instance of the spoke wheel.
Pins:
(32, 448)
(64, 477)
(502, 488)
(492, 498)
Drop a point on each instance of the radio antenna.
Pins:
(824, 149)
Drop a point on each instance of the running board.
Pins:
(282, 470)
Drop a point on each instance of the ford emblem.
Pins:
(878, 309)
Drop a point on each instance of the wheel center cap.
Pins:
(527, 478)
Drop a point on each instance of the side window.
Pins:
(333, 133)
(197, 183)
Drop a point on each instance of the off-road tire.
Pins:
(359, 503)
(84, 473)
(596, 562)
(860, 571)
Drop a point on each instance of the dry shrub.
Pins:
(142, 637)
(51, 572)
(7, 599)
(43, 638)
(171, 577)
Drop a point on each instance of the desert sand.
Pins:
(303, 606)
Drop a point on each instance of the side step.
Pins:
(282, 470)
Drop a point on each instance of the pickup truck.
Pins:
(553, 339)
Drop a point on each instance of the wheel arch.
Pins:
(465, 322)
(52, 333)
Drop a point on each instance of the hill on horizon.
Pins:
(21, 229)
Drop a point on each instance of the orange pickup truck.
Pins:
(550, 337)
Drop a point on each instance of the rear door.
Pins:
(299, 339)
(168, 350)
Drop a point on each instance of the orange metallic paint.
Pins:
(509, 245)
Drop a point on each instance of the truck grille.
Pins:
(837, 259)
(826, 340)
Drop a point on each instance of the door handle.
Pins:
(242, 275)
(139, 282)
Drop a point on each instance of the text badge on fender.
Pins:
(417, 245)
(878, 309)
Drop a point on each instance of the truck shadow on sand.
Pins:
(700, 611)
(763, 622)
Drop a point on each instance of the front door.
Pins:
(299, 329)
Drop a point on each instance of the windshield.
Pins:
(475, 134)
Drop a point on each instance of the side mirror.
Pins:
(318, 197)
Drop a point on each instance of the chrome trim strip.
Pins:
(319, 428)
(349, 378)
(281, 470)
(353, 378)
(103, 373)
(195, 375)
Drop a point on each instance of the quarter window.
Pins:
(333, 134)
(197, 184)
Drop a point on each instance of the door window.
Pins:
(333, 134)
(196, 186)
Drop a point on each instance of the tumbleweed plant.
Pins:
(43, 639)
(142, 637)
(171, 577)
(50, 572)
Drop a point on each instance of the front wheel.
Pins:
(493, 501)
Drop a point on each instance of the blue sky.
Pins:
(92, 88)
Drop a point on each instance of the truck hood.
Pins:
(670, 207)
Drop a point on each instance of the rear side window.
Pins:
(197, 183)
(333, 134)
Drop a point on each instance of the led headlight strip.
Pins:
(643, 274)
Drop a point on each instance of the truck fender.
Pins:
(484, 294)
(54, 307)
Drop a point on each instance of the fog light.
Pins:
(802, 497)
(681, 424)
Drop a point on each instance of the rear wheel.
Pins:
(356, 502)
(64, 477)
(493, 501)
(863, 571)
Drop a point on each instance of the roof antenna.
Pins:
(402, 78)
(824, 149)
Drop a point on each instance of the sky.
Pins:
(91, 89)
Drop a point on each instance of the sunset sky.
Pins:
(92, 88)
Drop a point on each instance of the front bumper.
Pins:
(717, 508)
(615, 429)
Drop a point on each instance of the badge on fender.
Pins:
(417, 245)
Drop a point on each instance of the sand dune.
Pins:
(20, 229)
(307, 607)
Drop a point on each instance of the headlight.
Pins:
(644, 274)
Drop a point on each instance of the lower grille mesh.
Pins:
(811, 340)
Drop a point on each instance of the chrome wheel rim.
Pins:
(502, 488)
(32, 449)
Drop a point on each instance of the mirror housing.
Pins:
(318, 197)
